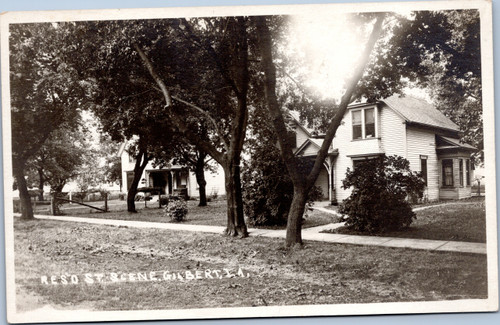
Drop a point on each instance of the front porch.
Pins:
(455, 168)
(173, 181)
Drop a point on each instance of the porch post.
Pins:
(329, 170)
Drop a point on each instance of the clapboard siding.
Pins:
(301, 136)
(347, 147)
(310, 150)
(423, 143)
(215, 183)
(392, 132)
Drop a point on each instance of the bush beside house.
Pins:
(381, 189)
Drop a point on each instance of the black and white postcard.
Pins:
(249, 161)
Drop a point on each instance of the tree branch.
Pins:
(208, 117)
(220, 65)
(346, 99)
(156, 77)
(194, 139)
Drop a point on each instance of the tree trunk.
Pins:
(138, 169)
(41, 183)
(294, 222)
(24, 196)
(200, 179)
(235, 219)
(56, 193)
(302, 186)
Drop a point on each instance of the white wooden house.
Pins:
(403, 126)
(169, 178)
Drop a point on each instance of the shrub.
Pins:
(268, 189)
(379, 198)
(176, 209)
(163, 200)
(79, 196)
(213, 195)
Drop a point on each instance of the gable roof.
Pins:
(416, 110)
(314, 142)
(296, 117)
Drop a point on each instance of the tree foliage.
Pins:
(381, 189)
(268, 190)
(47, 91)
(60, 158)
(440, 52)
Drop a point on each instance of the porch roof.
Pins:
(447, 143)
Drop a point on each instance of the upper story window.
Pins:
(364, 123)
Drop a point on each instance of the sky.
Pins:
(330, 46)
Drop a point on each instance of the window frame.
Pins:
(461, 171)
(424, 174)
(363, 122)
(445, 162)
(467, 172)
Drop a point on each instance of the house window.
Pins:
(358, 161)
(467, 172)
(357, 125)
(369, 123)
(461, 171)
(364, 123)
(423, 168)
(447, 172)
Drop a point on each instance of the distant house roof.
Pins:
(122, 148)
(416, 110)
(296, 116)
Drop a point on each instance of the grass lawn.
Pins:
(214, 214)
(320, 273)
(457, 221)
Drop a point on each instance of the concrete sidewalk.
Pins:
(313, 234)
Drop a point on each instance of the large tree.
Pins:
(212, 85)
(46, 92)
(302, 185)
(127, 107)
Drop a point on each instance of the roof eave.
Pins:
(432, 126)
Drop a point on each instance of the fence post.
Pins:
(52, 210)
